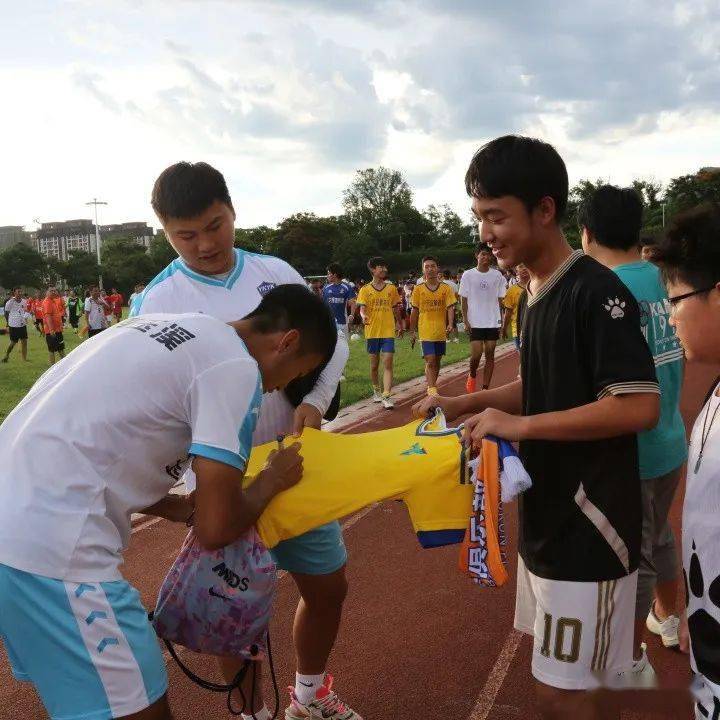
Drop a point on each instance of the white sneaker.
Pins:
(377, 395)
(456, 340)
(387, 402)
(343, 378)
(641, 675)
(667, 629)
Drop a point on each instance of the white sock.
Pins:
(306, 686)
(262, 714)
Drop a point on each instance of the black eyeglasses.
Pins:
(678, 298)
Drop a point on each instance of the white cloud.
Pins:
(289, 97)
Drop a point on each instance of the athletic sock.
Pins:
(386, 394)
(306, 686)
(262, 714)
(486, 387)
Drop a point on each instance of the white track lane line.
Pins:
(496, 678)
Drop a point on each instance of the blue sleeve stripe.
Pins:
(220, 455)
(169, 271)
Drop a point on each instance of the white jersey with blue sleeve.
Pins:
(77, 462)
(178, 288)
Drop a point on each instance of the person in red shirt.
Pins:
(116, 303)
(35, 307)
(53, 314)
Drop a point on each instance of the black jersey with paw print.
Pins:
(701, 553)
(582, 341)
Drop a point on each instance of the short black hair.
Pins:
(613, 215)
(374, 262)
(185, 190)
(526, 168)
(294, 307)
(15, 289)
(482, 247)
(446, 273)
(690, 250)
(431, 258)
(335, 269)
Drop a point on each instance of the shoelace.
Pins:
(330, 705)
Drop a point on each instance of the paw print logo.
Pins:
(704, 628)
(615, 308)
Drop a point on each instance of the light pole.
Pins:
(663, 210)
(97, 202)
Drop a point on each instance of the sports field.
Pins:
(17, 377)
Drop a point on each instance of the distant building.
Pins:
(13, 234)
(140, 232)
(57, 239)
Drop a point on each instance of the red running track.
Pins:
(418, 640)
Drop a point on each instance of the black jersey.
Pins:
(581, 340)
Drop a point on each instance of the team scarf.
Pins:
(499, 476)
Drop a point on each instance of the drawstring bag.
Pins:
(219, 602)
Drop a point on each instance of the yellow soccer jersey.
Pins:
(344, 473)
(510, 302)
(432, 305)
(379, 306)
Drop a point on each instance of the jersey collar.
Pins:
(555, 278)
(229, 281)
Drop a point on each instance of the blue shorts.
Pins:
(430, 347)
(378, 345)
(318, 552)
(88, 648)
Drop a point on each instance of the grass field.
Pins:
(17, 377)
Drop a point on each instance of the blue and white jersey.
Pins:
(179, 289)
(76, 463)
(336, 295)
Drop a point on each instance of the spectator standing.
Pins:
(115, 299)
(73, 307)
(53, 309)
(107, 308)
(511, 303)
(37, 309)
(339, 296)
(95, 312)
(482, 290)
(610, 221)
(136, 293)
(16, 318)
(448, 280)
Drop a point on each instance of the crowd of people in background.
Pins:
(86, 311)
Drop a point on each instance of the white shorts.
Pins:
(583, 630)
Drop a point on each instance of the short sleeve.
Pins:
(395, 296)
(224, 404)
(415, 297)
(350, 292)
(450, 301)
(361, 297)
(612, 342)
(502, 287)
(463, 291)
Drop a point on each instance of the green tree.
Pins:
(160, 252)
(449, 229)
(125, 264)
(256, 239)
(21, 265)
(80, 270)
(687, 191)
(578, 193)
(306, 242)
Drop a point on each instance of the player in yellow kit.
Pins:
(379, 303)
(433, 312)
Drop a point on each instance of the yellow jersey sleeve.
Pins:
(344, 473)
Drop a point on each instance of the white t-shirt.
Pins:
(701, 548)
(17, 312)
(483, 290)
(96, 314)
(76, 463)
(452, 284)
(179, 289)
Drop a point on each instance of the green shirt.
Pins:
(664, 448)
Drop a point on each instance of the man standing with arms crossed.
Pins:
(610, 222)
(587, 387)
(433, 312)
(15, 314)
(193, 204)
(482, 290)
(379, 304)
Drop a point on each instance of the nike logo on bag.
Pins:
(305, 684)
(218, 595)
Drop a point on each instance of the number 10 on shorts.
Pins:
(564, 636)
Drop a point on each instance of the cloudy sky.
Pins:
(289, 97)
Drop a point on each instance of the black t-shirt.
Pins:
(581, 340)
